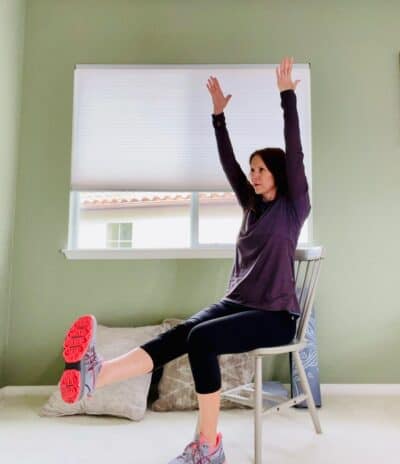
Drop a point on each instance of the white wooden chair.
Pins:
(307, 267)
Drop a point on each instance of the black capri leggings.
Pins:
(222, 328)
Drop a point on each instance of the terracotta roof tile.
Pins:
(98, 200)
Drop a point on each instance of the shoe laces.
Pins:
(91, 358)
(92, 361)
(197, 454)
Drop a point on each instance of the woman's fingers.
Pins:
(284, 74)
(217, 85)
(277, 73)
(214, 86)
(281, 72)
(285, 66)
(211, 87)
(219, 100)
(211, 83)
(290, 65)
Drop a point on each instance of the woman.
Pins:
(260, 303)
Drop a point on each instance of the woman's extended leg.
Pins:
(134, 363)
(86, 370)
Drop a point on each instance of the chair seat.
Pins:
(294, 345)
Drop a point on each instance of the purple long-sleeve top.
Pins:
(262, 275)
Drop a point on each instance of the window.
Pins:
(148, 158)
(159, 220)
(119, 235)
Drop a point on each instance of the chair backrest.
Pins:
(307, 267)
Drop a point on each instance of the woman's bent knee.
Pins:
(199, 339)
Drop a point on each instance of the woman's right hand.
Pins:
(219, 101)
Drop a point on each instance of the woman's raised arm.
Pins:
(295, 171)
(236, 177)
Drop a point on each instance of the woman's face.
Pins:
(261, 178)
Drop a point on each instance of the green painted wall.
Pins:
(353, 49)
(11, 52)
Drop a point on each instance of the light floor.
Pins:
(360, 424)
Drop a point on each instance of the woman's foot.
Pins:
(199, 451)
(82, 363)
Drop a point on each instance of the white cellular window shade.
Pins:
(148, 127)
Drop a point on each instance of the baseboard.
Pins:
(360, 388)
(326, 389)
(17, 390)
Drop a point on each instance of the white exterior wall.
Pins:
(163, 226)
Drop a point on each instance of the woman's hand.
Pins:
(219, 101)
(283, 75)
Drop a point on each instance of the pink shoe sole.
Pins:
(76, 344)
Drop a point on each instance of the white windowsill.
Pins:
(175, 253)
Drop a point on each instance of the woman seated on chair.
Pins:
(260, 303)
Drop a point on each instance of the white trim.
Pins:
(14, 390)
(198, 252)
(74, 212)
(362, 389)
(358, 388)
(326, 389)
(177, 253)
(194, 219)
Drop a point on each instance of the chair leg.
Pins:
(258, 406)
(307, 390)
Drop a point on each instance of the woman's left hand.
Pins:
(283, 75)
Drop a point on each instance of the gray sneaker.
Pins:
(82, 363)
(198, 452)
